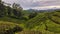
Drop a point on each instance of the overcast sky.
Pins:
(36, 4)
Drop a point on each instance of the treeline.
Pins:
(15, 11)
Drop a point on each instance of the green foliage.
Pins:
(9, 28)
(32, 15)
(17, 6)
(11, 12)
(46, 22)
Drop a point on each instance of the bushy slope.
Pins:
(45, 23)
(9, 28)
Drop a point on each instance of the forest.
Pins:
(15, 20)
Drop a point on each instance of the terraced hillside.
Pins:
(54, 22)
(45, 22)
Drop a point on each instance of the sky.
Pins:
(36, 4)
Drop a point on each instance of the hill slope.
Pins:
(45, 23)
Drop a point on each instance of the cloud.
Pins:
(46, 7)
(35, 3)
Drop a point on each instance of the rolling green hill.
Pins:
(45, 23)
(15, 20)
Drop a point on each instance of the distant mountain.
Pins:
(48, 10)
(33, 10)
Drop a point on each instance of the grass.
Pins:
(6, 25)
(36, 24)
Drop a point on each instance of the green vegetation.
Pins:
(18, 21)
(9, 27)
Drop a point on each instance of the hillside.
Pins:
(44, 23)
(15, 20)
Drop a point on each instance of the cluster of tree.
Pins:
(15, 11)
(32, 15)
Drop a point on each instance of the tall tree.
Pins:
(17, 9)
(1, 8)
(0, 1)
(17, 6)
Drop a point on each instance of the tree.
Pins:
(17, 10)
(9, 11)
(2, 8)
(17, 6)
(0, 1)
(32, 15)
